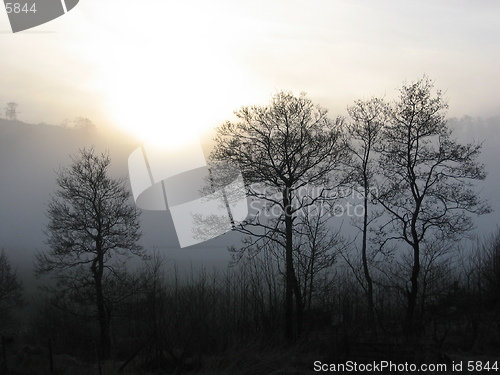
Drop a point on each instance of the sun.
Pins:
(171, 76)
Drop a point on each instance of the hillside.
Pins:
(29, 157)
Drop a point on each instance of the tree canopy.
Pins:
(92, 222)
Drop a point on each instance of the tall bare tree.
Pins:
(317, 247)
(92, 223)
(428, 176)
(365, 128)
(290, 154)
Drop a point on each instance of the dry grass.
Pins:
(244, 359)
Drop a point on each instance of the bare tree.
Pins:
(11, 289)
(92, 224)
(317, 248)
(11, 111)
(427, 185)
(368, 118)
(283, 150)
(317, 245)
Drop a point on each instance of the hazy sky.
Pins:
(154, 66)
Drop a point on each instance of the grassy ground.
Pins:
(249, 359)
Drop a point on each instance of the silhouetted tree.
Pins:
(290, 154)
(316, 250)
(427, 176)
(365, 129)
(11, 289)
(91, 224)
(489, 268)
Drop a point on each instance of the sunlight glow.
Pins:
(172, 76)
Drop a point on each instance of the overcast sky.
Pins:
(188, 65)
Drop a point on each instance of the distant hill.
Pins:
(29, 157)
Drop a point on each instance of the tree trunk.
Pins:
(413, 292)
(102, 315)
(298, 304)
(290, 279)
(366, 270)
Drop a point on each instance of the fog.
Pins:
(30, 157)
(31, 154)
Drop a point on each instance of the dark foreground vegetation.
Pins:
(230, 322)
